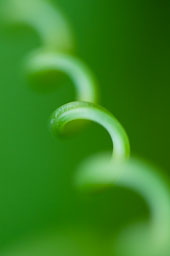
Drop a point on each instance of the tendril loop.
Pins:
(121, 169)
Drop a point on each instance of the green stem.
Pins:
(56, 35)
(81, 76)
(47, 21)
(101, 172)
(89, 111)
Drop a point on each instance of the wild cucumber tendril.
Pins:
(55, 54)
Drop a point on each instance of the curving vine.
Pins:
(149, 239)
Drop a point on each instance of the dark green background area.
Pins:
(126, 44)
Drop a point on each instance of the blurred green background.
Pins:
(126, 44)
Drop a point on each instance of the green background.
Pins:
(126, 44)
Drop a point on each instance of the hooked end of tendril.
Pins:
(61, 126)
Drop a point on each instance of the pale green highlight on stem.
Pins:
(82, 78)
(49, 22)
(57, 40)
(102, 172)
(89, 111)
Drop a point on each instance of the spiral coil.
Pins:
(100, 171)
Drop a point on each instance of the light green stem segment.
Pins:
(89, 111)
(81, 76)
(101, 172)
(47, 21)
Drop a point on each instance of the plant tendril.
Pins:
(83, 79)
(52, 27)
(99, 172)
(89, 111)
(120, 169)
